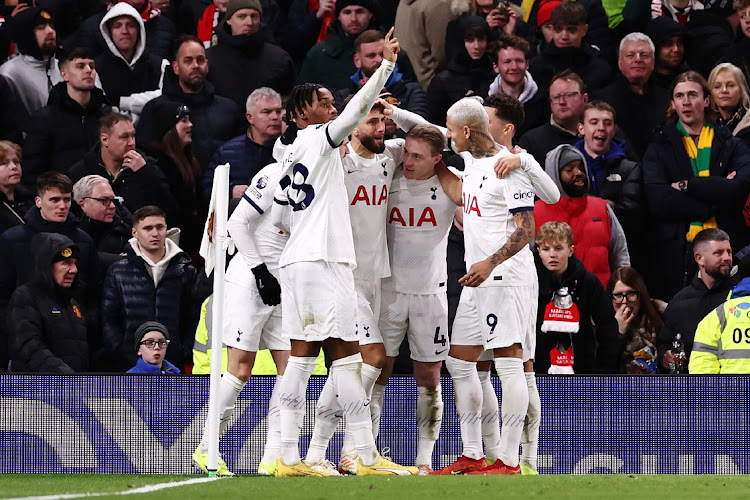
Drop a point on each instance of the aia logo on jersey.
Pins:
(523, 195)
(470, 204)
(363, 195)
(426, 218)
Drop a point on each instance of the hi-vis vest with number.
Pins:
(722, 339)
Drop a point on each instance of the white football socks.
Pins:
(490, 417)
(530, 436)
(429, 420)
(515, 403)
(272, 449)
(328, 413)
(352, 399)
(369, 375)
(468, 391)
(229, 391)
(293, 399)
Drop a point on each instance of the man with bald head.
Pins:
(497, 214)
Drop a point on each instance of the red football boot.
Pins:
(498, 468)
(462, 465)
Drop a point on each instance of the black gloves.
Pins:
(268, 285)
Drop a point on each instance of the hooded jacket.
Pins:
(47, 326)
(665, 162)
(216, 119)
(30, 77)
(128, 84)
(137, 290)
(535, 102)
(243, 63)
(61, 132)
(595, 349)
(599, 239)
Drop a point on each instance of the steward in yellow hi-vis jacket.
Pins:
(722, 339)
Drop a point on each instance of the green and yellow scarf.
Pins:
(700, 161)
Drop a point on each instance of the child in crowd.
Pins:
(570, 300)
(151, 342)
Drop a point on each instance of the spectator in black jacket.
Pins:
(510, 55)
(566, 285)
(160, 31)
(250, 152)
(640, 103)
(739, 52)
(50, 215)
(215, 119)
(65, 129)
(10, 125)
(15, 200)
(468, 73)
(368, 54)
(685, 193)
(104, 219)
(47, 327)
(134, 177)
(130, 75)
(569, 51)
(712, 253)
(244, 60)
(613, 176)
(154, 283)
(669, 43)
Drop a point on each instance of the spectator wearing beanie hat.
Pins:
(669, 44)
(151, 342)
(331, 62)
(243, 60)
(32, 73)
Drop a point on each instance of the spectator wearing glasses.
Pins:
(61, 132)
(46, 323)
(104, 218)
(151, 342)
(154, 282)
(638, 320)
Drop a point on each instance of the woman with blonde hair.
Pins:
(730, 96)
(14, 200)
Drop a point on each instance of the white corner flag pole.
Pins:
(220, 207)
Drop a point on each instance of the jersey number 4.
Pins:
(299, 194)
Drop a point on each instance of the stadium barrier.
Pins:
(152, 424)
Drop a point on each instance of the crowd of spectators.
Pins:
(114, 116)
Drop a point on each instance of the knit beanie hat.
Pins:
(568, 155)
(167, 116)
(545, 11)
(661, 29)
(149, 326)
(21, 29)
(69, 252)
(341, 4)
(235, 5)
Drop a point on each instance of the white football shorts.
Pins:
(424, 318)
(249, 324)
(368, 311)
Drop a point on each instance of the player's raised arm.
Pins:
(544, 187)
(450, 182)
(357, 109)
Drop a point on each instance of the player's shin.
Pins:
(229, 391)
(272, 449)
(328, 413)
(530, 436)
(490, 417)
(468, 391)
(293, 399)
(429, 421)
(513, 409)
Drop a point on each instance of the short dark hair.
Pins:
(76, 53)
(509, 41)
(601, 106)
(567, 74)
(429, 134)
(569, 14)
(507, 108)
(148, 211)
(53, 180)
(109, 120)
(367, 36)
(182, 40)
(473, 32)
(708, 235)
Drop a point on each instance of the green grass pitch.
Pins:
(462, 487)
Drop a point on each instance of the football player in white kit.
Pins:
(251, 310)
(369, 165)
(316, 268)
(497, 309)
(414, 297)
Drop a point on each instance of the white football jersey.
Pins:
(420, 215)
(488, 206)
(367, 183)
(256, 238)
(313, 187)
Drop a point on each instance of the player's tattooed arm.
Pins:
(522, 236)
(450, 182)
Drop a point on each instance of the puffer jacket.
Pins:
(129, 298)
(62, 132)
(47, 326)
